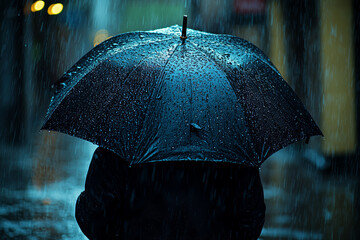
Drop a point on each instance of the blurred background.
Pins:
(311, 191)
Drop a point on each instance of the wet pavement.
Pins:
(39, 186)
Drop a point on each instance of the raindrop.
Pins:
(60, 86)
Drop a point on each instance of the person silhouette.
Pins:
(170, 200)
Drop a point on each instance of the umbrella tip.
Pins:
(183, 34)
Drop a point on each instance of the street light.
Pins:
(55, 9)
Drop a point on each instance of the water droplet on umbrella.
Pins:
(60, 86)
(194, 127)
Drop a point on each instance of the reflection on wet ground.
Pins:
(39, 187)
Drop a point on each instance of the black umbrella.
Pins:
(158, 96)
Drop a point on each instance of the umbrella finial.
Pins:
(183, 35)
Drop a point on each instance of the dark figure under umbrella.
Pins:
(170, 200)
(186, 122)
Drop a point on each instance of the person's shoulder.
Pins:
(103, 153)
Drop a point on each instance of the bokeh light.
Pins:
(55, 8)
(100, 36)
(37, 6)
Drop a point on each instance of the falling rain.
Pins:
(311, 188)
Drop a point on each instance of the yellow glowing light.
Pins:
(37, 6)
(55, 8)
(101, 36)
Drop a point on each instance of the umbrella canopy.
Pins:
(155, 96)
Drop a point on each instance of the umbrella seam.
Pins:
(262, 56)
(132, 70)
(222, 69)
(104, 111)
(160, 79)
(86, 70)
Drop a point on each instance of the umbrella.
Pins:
(164, 95)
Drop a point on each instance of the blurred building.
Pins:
(12, 83)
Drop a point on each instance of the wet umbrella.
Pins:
(162, 96)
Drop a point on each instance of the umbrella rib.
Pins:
(213, 60)
(94, 62)
(106, 109)
(160, 79)
(258, 54)
(103, 57)
(167, 61)
(225, 69)
(263, 58)
(218, 65)
(144, 57)
(135, 65)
